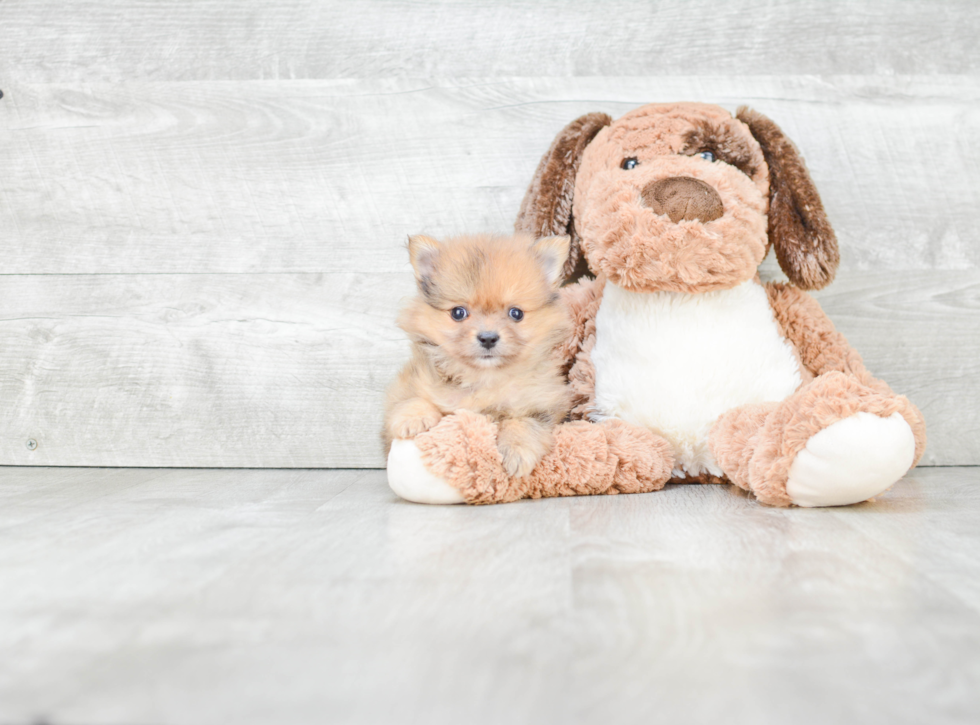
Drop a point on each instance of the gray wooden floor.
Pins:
(270, 596)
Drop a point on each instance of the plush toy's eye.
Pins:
(458, 313)
(515, 314)
(629, 163)
(707, 155)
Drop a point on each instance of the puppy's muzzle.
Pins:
(683, 198)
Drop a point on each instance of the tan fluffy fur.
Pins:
(768, 199)
(583, 300)
(642, 251)
(609, 458)
(517, 382)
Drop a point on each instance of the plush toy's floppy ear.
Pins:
(547, 207)
(806, 246)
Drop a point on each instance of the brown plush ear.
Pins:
(547, 207)
(805, 243)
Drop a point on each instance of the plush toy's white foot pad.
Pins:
(410, 479)
(851, 461)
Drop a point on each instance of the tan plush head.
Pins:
(682, 197)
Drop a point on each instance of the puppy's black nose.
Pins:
(488, 339)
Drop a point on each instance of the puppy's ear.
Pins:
(552, 253)
(423, 253)
(806, 246)
(547, 206)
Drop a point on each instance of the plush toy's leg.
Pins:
(460, 455)
(834, 442)
(409, 478)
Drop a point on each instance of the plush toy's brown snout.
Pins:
(683, 199)
(645, 204)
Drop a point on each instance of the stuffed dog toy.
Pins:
(684, 366)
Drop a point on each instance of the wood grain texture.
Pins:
(202, 597)
(206, 370)
(203, 204)
(122, 40)
(320, 175)
(284, 370)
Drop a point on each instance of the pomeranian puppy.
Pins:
(484, 328)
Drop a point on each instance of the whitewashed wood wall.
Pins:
(203, 202)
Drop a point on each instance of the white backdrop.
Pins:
(203, 204)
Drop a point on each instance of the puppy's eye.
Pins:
(629, 163)
(515, 314)
(707, 155)
(458, 313)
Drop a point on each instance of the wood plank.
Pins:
(315, 176)
(206, 370)
(285, 370)
(134, 596)
(664, 593)
(126, 40)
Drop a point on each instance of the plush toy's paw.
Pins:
(409, 478)
(643, 460)
(851, 461)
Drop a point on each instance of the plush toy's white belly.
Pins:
(674, 362)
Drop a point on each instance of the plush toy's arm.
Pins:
(582, 300)
(823, 349)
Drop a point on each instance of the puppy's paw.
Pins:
(412, 418)
(522, 443)
(518, 459)
(411, 427)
